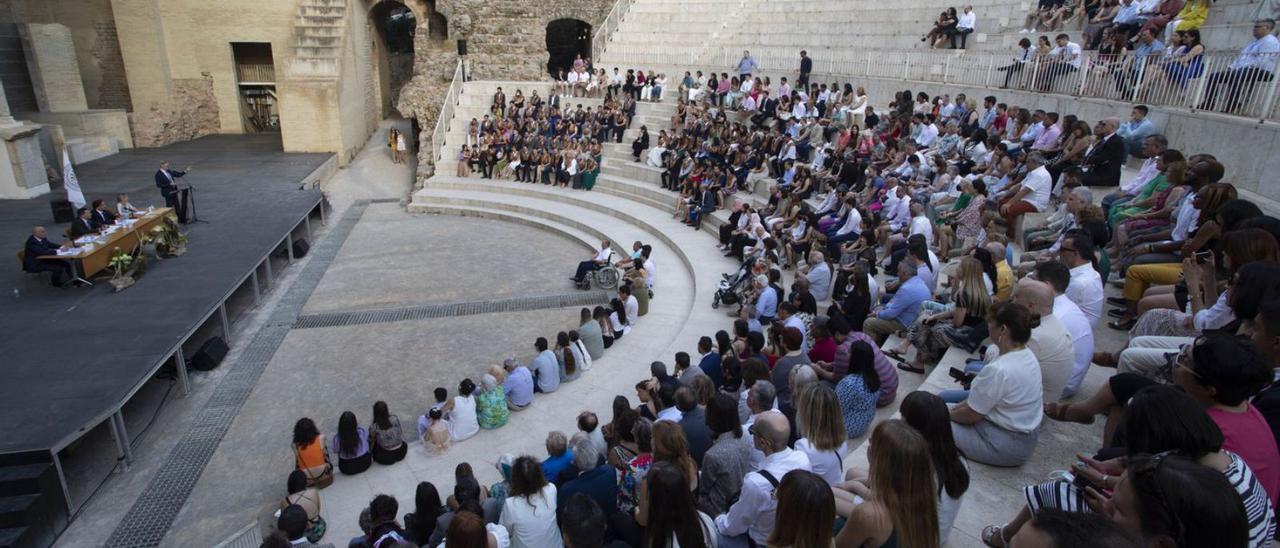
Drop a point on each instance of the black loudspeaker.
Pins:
(210, 355)
(462, 47)
(63, 211)
(300, 248)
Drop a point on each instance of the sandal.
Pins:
(895, 355)
(910, 368)
(1123, 325)
(993, 535)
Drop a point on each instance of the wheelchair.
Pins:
(605, 277)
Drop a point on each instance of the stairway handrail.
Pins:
(451, 99)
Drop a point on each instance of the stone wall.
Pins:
(190, 111)
(505, 41)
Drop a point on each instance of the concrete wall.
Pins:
(51, 60)
(97, 49)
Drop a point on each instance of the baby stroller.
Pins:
(733, 286)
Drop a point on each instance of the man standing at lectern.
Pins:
(166, 180)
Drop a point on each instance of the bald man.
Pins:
(1050, 341)
(38, 245)
(752, 515)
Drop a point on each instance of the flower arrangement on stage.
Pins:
(167, 238)
(126, 268)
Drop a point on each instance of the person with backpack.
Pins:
(752, 515)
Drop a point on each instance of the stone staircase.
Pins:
(318, 32)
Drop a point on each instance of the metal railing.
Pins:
(606, 28)
(1224, 82)
(451, 99)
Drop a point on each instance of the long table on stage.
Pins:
(96, 256)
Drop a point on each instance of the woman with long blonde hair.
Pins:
(962, 325)
(902, 507)
(822, 433)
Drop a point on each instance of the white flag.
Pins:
(69, 180)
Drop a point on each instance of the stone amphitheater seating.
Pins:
(626, 205)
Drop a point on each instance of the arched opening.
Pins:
(437, 24)
(393, 51)
(567, 39)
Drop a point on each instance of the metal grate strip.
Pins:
(153, 512)
(446, 310)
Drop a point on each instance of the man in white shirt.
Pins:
(572, 80)
(753, 514)
(629, 304)
(1255, 63)
(928, 133)
(1066, 60)
(920, 224)
(1050, 341)
(1029, 196)
(602, 258)
(1085, 288)
(1058, 276)
(964, 27)
(615, 82)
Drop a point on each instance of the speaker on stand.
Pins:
(462, 52)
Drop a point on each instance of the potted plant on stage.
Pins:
(126, 268)
(168, 238)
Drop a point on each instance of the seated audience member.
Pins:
(420, 525)
(728, 461)
(1058, 276)
(567, 358)
(962, 326)
(529, 511)
(582, 522)
(999, 422)
(546, 368)
(806, 511)
(1266, 335)
(383, 530)
(435, 437)
(1029, 196)
(294, 525)
(308, 498)
(667, 510)
(1050, 341)
(38, 245)
(518, 386)
(1058, 529)
(595, 477)
(822, 434)
(902, 309)
(1085, 288)
(388, 439)
(1136, 131)
(311, 453)
(1254, 65)
(752, 515)
(591, 334)
(559, 457)
(492, 407)
(818, 272)
(589, 424)
(710, 361)
(463, 420)
(631, 471)
(1158, 420)
(858, 391)
(351, 444)
(603, 258)
(1103, 161)
(1152, 147)
(693, 420)
(901, 506)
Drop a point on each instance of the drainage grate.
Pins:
(468, 308)
(153, 513)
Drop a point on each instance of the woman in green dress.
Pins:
(491, 402)
(1170, 164)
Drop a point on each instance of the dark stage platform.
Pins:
(69, 358)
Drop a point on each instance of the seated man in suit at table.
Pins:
(101, 216)
(38, 244)
(83, 224)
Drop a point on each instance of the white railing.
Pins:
(446, 113)
(606, 28)
(1215, 81)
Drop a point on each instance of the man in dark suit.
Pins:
(806, 66)
(768, 110)
(710, 363)
(167, 182)
(38, 244)
(1103, 162)
(101, 216)
(693, 420)
(83, 224)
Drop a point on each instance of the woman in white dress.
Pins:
(529, 511)
(463, 422)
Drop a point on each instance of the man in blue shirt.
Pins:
(1137, 129)
(559, 457)
(1254, 64)
(766, 303)
(595, 478)
(518, 385)
(902, 309)
(746, 65)
(546, 369)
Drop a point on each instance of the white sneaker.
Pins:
(1025, 31)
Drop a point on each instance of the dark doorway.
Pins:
(256, 78)
(567, 39)
(393, 54)
(437, 24)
